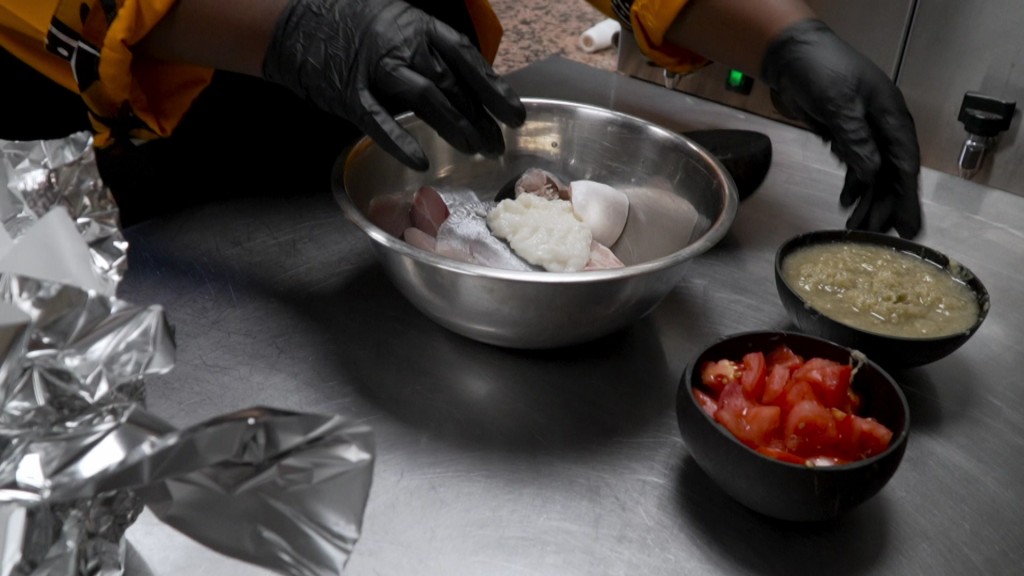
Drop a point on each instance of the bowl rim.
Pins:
(718, 228)
(899, 438)
(966, 276)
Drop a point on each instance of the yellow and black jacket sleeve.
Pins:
(86, 46)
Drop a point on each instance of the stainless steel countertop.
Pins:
(567, 462)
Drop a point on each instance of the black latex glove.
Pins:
(839, 93)
(360, 58)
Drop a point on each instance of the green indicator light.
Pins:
(735, 78)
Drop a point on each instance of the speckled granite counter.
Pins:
(536, 29)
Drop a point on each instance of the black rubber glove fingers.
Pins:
(366, 60)
(839, 93)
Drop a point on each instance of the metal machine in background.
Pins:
(959, 63)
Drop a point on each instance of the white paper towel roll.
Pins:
(600, 36)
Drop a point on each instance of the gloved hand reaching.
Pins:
(361, 58)
(839, 93)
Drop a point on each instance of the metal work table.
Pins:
(569, 462)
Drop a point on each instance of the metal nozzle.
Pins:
(972, 154)
(671, 79)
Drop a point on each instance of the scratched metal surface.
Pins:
(569, 462)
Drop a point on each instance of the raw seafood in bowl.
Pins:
(536, 222)
(681, 201)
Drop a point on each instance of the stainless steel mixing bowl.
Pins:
(682, 201)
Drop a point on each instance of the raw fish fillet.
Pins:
(391, 213)
(465, 236)
(456, 196)
(453, 223)
(428, 210)
(602, 258)
(420, 239)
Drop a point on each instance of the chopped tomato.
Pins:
(753, 375)
(783, 356)
(751, 423)
(830, 380)
(796, 392)
(706, 402)
(781, 455)
(732, 398)
(715, 375)
(863, 438)
(825, 461)
(776, 383)
(804, 412)
(810, 429)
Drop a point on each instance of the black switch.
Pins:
(984, 115)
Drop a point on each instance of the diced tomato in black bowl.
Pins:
(793, 426)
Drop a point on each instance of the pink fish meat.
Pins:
(429, 210)
(453, 223)
(391, 213)
(602, 258)
(420, 239)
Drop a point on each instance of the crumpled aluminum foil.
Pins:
(280, 489)
(36, 176)
(73, 363)
(79, 454)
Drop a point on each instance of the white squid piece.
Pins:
(601, 207)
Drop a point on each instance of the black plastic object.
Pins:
(984, 115)
(892, 352)
(746, 155)
(778, 489)
(508, 190)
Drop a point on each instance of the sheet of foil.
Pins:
(38, 175)
(283, 490)
(279, 489)
(73, 363)
(80, 456)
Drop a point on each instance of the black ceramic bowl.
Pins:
(780, 489)
(893, 352)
